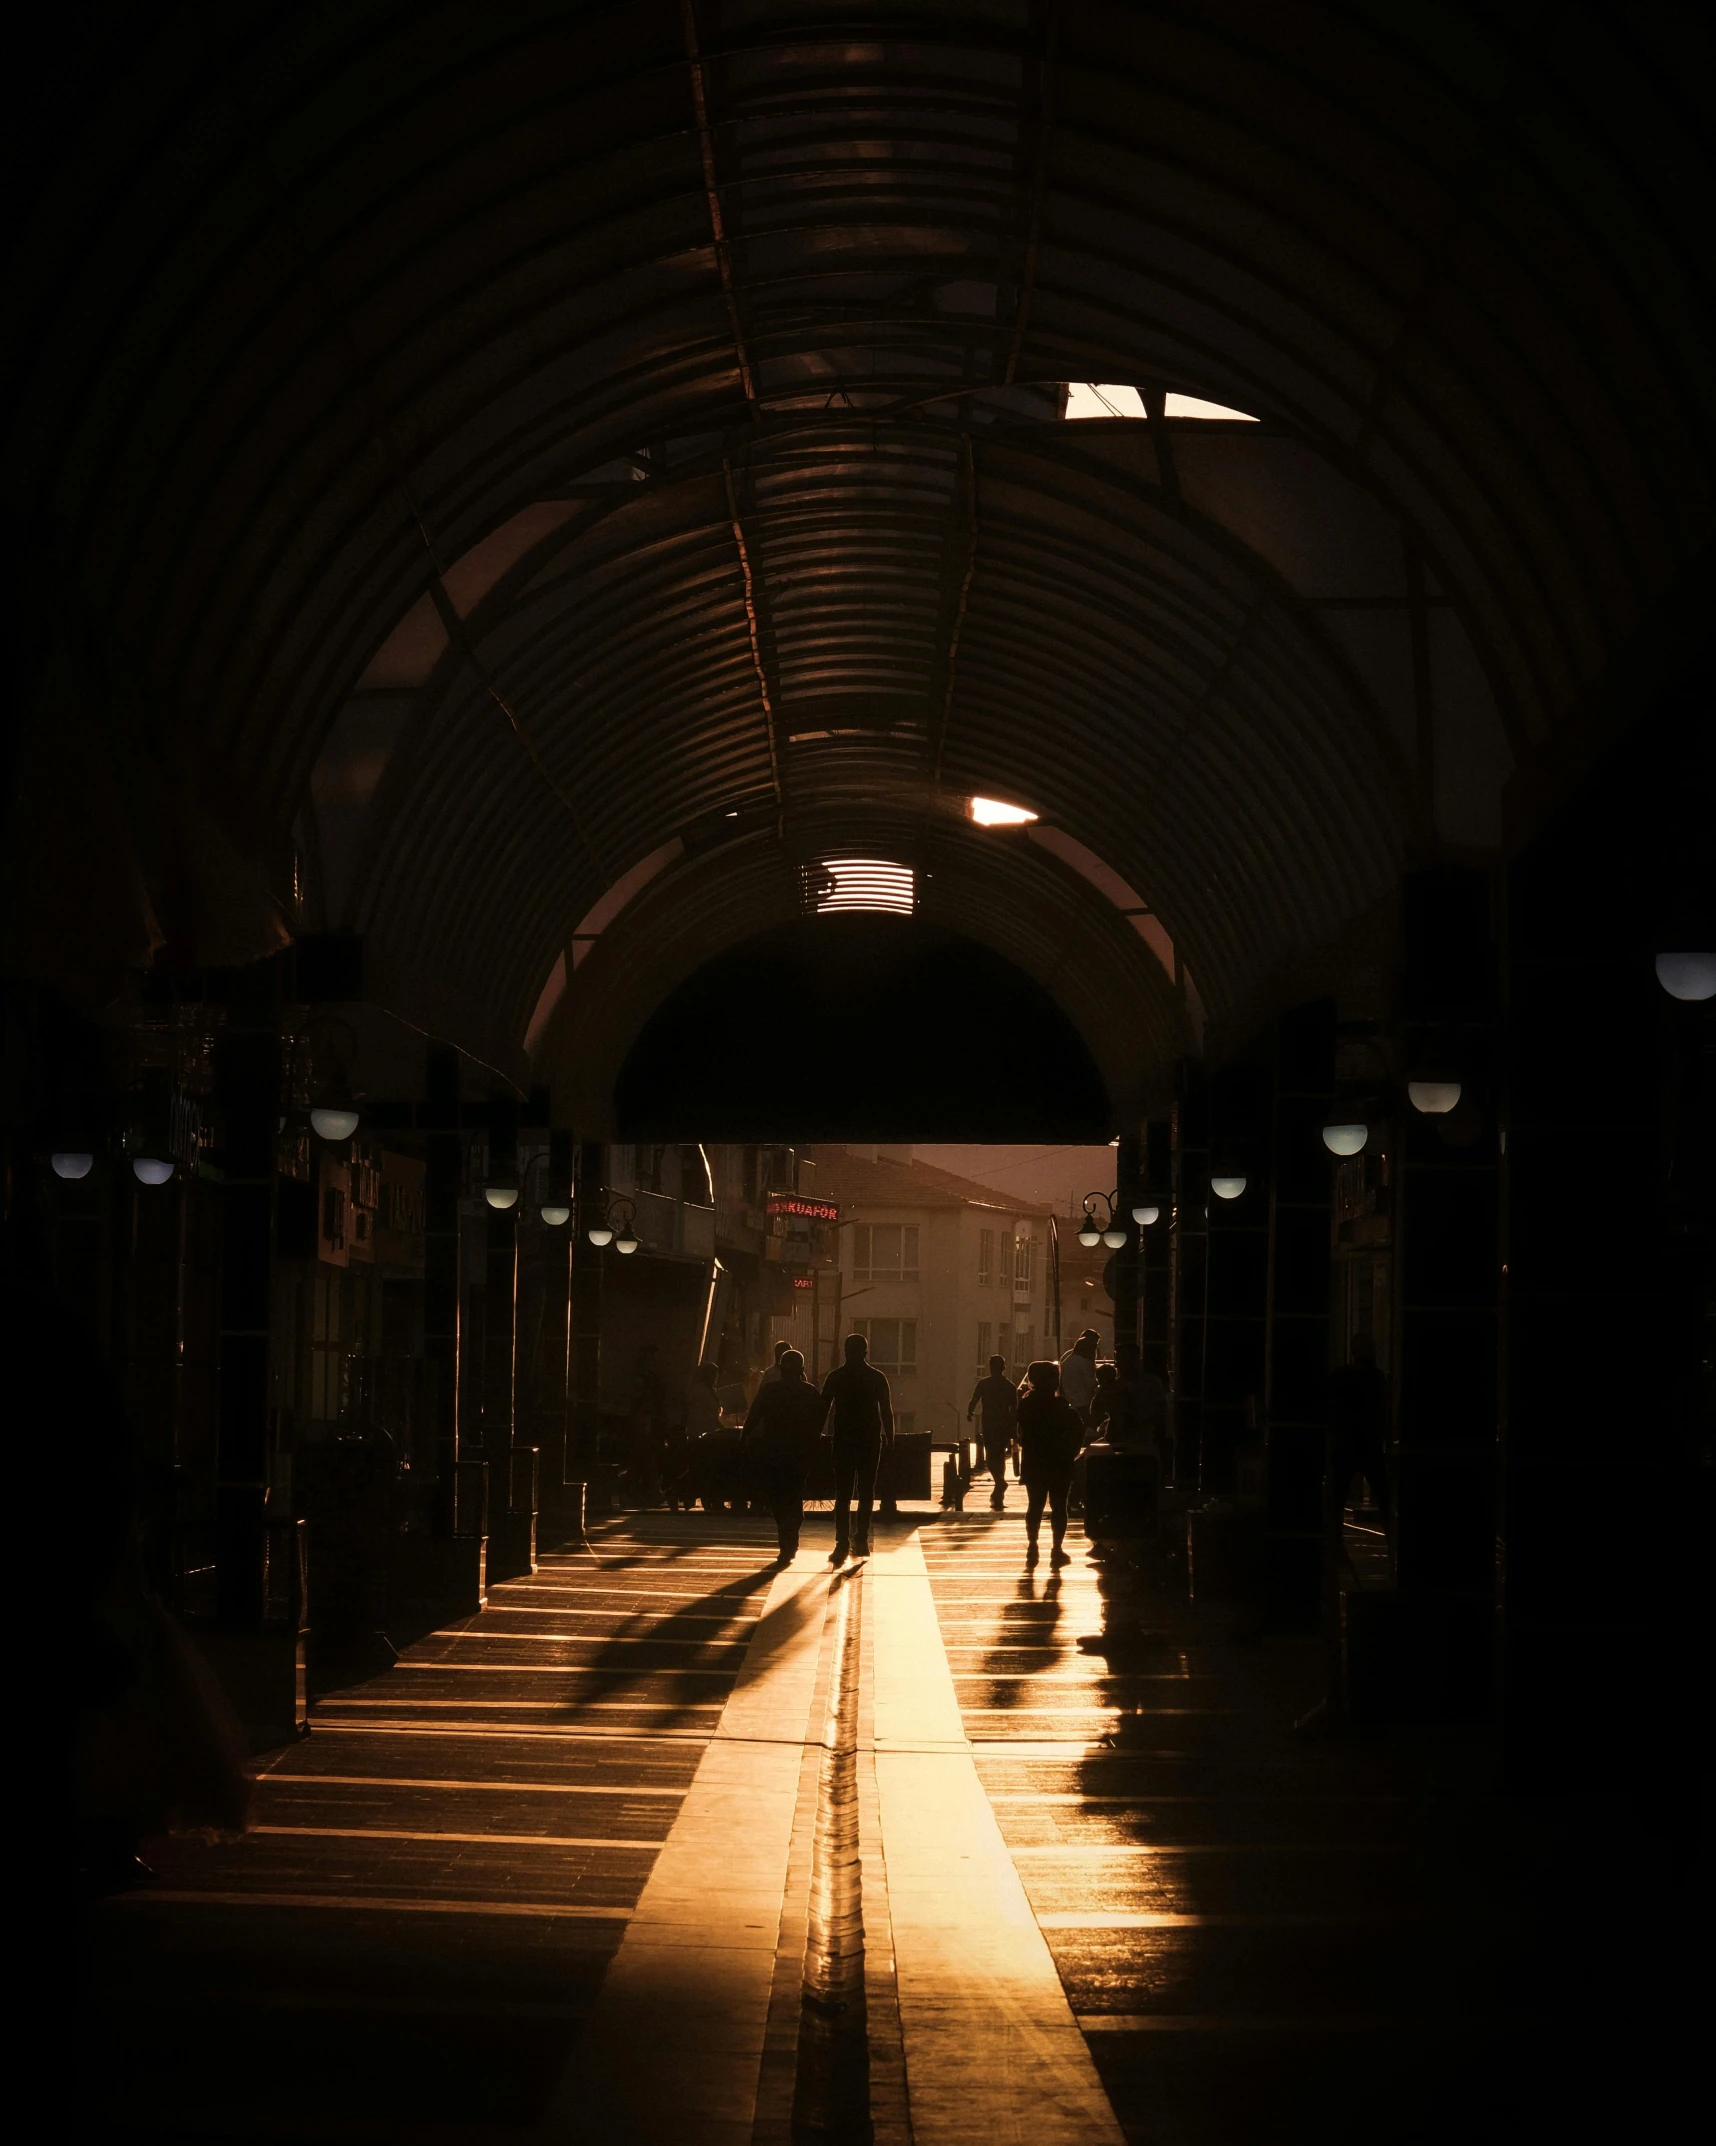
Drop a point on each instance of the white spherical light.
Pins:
(600, 1233)
(1089, 1235)
(73, 1165)
(625, 1243)
(501, 1197)
(1145, 1215)
(1687, 976)
(151, 1169)
(1435, 1098)
(1226, 1187)
(554, 1213)
(334, 1125)
(1345, 1139)
(1115, 1239)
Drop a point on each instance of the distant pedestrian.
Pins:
(995, 1403)
(863, 1413)
(780, 1437)
(1078, 1373)
(1133, 1408)
(1358, 1432)
(1051, 1435)
(774, 1371)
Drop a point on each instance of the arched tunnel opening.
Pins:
(858, 1142)
(862, 1028)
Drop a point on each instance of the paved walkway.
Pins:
(666, 1846)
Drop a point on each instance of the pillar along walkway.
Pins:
(666, 1846)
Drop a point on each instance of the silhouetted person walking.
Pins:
(1078, 1373)
(780, 1440)
(1051, 1435)
(1358, 1432)
(863, 1411)
(998, 1400)
(774, 1371)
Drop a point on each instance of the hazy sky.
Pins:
(1057, 1177)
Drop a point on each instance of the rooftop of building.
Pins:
(854, 1182)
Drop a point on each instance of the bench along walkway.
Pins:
(667, 1846)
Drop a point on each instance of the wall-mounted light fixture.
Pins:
(151, 1169)
(1691, 977)
(1149, 1213)
(1104, 1228)
(555, 1213)
(501, 1197)
(1228, 1184)
(1346, 1139)
(73, 1164)
(1435, 1098)
(612, 1224)
(334, 1121)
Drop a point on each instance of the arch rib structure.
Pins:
(496, 447)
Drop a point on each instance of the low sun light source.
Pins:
(990, 812)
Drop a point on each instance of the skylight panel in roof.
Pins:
(1193, 406)
(991, 812)
(1085, 398)
(846, 884)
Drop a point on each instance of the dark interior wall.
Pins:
(1610, 1193)
(861, 1027)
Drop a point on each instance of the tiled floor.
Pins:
(553, 1874)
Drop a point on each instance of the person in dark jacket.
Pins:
(1051, 1434)
(780, 1437)
(998, 1398)
(863, 1412)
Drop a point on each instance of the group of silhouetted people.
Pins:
(781, 1432)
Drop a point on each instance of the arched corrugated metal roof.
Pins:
(310, 301)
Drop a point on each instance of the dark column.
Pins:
(1154, 1247)
(1129, 1180)
(1237, 1298)
(1448, 1223)
(1188, 1276)
(1296, 1394)
(512, 1490)
(1611, 1283)
(586, 1319)
(561, 1489)
(461, 1518)
(247, 1095)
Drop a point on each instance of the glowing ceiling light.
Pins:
(73, 1165)
(334, 1125)
(501, 1197)
(991, 812)
(1227, 1187)
(866, 883)
(1435, 1098)
(1345, 1139)
(554, 1213)
(151, 1169)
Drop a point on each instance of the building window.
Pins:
(984, 1352)
(893, 1343)
(985, 1258)
(1024, 1265)
(885, 1252)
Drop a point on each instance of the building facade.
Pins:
(937, 1273)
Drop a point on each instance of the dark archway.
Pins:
(860, 1027)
